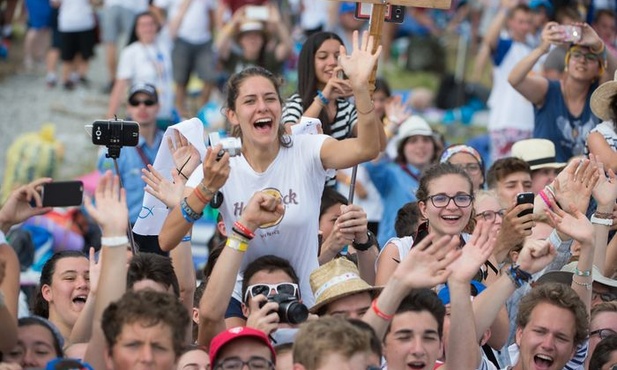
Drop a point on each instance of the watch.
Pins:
(372, 240)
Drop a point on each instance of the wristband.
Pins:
(243, 230)
(368, 111)
(322, 98)
(380, 313)
(3, 238)
(114, 241)
(518, 276)
(542, 195)
(236, 244)
(187, 238)
(200, 196)
(603, 215)
(188, 213)
(601, 221)
(578, 272)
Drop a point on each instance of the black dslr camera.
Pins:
(290, 310)
(115, 133)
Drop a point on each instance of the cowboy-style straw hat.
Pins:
(601, 99)
(564, 276)
(337, 279)
(538, 153)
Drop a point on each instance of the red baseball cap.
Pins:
(232, 334)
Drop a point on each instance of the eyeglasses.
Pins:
(603, 333)
(605, 297)
(472, 168)
(589, 57)
(147, 102)
(442, 200)
(254, 363)
(265, 289)
(491, 215)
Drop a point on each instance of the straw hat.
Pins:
(564, 276)
(413, 126)
(337, 279)
(538, 153)
(601, 99)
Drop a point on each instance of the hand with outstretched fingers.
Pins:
(428, 262)
(573, 223)
(170, 193)
(359, 64)
(475, 252)
(110, 211)
(185, 156)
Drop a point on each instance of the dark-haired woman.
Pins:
(292, 169)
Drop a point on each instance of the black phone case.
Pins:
(523, 198)
(62, 194)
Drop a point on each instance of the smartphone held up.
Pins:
(61, 194)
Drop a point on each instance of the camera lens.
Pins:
(293, 312)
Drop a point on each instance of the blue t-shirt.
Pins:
(553, 121)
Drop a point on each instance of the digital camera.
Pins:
(116, 133)
(231, 145)
(291, 310)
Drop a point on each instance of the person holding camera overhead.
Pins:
(562, 110)
(254, 39)
(292, 169)
(143, 107)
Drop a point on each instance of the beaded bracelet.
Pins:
(586, 285)
(380, 313)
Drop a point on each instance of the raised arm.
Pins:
(261, 209)
(110, 212)
(605, 193)
(462, 349)
(178, 221)
(534, 87)
(358, 66)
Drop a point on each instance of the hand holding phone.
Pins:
(572, 34)
(525, 198)
(62, 193)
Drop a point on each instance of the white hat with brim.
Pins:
(538, 153)
(601, 99)
(337, 279)
(564, 276)
(413, 126)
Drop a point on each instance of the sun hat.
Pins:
(538, 153)
(413, 126)
(230, 335)
(564, 276)
(337, 279)
(601, 99)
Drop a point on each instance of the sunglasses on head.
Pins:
(136, 102)
(265, 289)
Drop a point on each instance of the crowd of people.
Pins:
(442, 256)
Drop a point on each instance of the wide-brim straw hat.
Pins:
(538, 153)
(337, 279)
(564, 276)
(601, 99)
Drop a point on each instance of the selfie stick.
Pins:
(375, 25)
(130, 228)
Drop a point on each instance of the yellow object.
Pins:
(31, 156)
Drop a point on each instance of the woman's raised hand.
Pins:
(359, 65)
